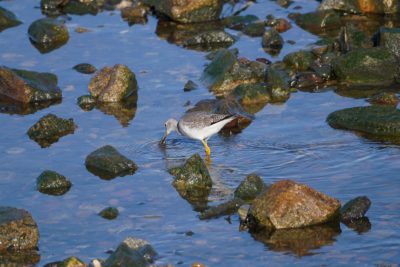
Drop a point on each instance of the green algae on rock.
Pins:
(52, 183)
(50, 128)
(7, 19)
(107, 163)
(250, 187)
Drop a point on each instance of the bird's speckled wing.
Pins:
(202, 119)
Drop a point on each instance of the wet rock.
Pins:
(355, 209)
(48, 34)
(210, 40)
(82, 30)
(301, 241)
(132, 252)
(254, 29)
(305, 80)
(52, 7)
(109, 213)
(18, 230)
(390, 38)
(366, 66)
(28, 86)
(135, 14)
(12, 106)
(193, 181)
(85, 68)
(375, 122)
(68, 262)
(113, 84)
(361, 225)
(363, 7)
(287, 204)
(52, 183)
(272, 42)
(107, 163)
(279, 81)
(87, 102)
(19, 258)
(189, 86)
(320, 22)
(225, 72)
(7, 19)
(351, 38)
(226, 208)
(50, 128)
(300, 60)
(280, 25)
(250, 187)
(384, 98)
(243, 211)
(188, 11)
(252, 94)
(78, 7)
(239, 22)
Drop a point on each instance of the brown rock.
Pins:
(287, 204)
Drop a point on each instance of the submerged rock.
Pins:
(366, 66)
(189, 86)
(287, 204)
(28, 86)
(50, 128)
(109, 213)
(376, 122)
(239, 22)
(113, 84)
(226, 208)
(188, 11)
(48, 34)
(107, 163)
(18, 230)
(52, 183)
(272, 42)
(225, 72)
(193, 181)
(210, 40)
(132, 252)
(355, 209)
(250, 187)
(85, 68)
(7, 19)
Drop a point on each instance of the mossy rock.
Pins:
(300, 60)
(52, 183)
(7, 19)
(251, 94)
(250, 187)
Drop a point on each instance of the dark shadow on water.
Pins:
(300, 242)
(10, 106)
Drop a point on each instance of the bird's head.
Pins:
(170, 125)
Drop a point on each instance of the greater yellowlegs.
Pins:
(199, 125)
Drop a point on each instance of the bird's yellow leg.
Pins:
(207, 148)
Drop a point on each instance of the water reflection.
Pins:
(11, 106)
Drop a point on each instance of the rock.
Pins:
(320, 22)
(351, 38)
(52, 183)
(52, 7)
(131, 252)
(361, 225)
(251, 94)
(272, 42)
(189, 86)
(376, 122)
(188, 11)
(19, 258)
(209, 40)
(239, 22)
(280, 25)
(223, 209)
(279, 82)
(12, 106)
(254, 29)
(48, 34)
(109, 213)
(384, 98)
(193, 181)
(18, 230)
(28, 86)
(225, 72)
(366, 66)
(287, 204)
(7, 19)
(85, 68)
(355, 209)
(87, 102)
(107, 163)
(50, 128)
(363, 7)
(250, 187)
(390, 39)
(68, 262)
(135, 14)
(243, 211)
(113, 84)
(305, 80)
(300, 60)
(79, 7)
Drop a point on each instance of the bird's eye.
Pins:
(165, 125)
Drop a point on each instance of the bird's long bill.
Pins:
(162, 141)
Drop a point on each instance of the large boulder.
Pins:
(18, 230)
(287, 204)
(7, 19)
(52, 183)
(48, 34)
(113, 84)
(50, 128)
(107, 163)
(188, 11)
(366, 66)
(28, 86)
(132, 252)
(226, 72)
(376, 122)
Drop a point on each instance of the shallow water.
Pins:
(291, 140)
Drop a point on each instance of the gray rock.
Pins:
(250, 187)
(52, 183)
(7, 19)
(355, 209)
(300, 60)
(107, 163)
(50, 128)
